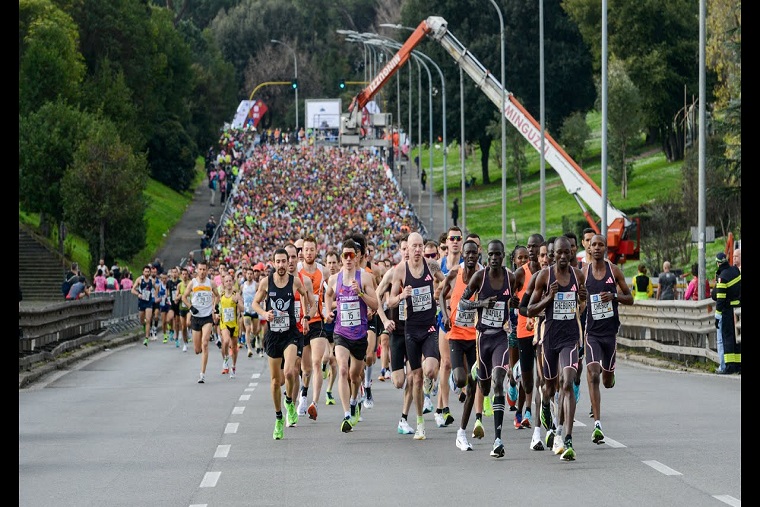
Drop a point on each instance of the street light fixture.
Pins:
(295, 81)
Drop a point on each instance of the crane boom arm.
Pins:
(575, 179)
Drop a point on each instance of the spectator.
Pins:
(455, 211)
(102, 266)
(738, 259)
(126, 280)
(692, 291)
(116, 270)
(210, 227)
(69, 279)
(423, 179)
(642, 284)
(112, 283)
(100, 281)
(78, 289)
(666, 285)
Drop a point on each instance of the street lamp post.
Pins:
(503, 132)
(295, 69)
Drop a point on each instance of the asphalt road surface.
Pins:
(132, 427)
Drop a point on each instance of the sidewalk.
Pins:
(412, 189)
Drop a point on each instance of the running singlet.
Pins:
(462, 321)
(228, 311)
(201, 296)
(522, 322)
(316, 283)
(281, 302)
(601, 318)
(146, 289)
(420, 306)
(172, 288)
(562, 325)
(351, 319)
(493, 319)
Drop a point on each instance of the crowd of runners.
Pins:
(318, 266)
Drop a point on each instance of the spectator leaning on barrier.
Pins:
(666, 284)
(642, 284)
(78, 289)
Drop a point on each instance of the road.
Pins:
(130, 426)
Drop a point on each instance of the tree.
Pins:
(624, 122)
(173, 155)
(48, 138)
(50, 65)
(105, 203)
(573, 135)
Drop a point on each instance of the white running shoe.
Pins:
(184, 347)
(428, 405)
(535, 443)
(202, 378)
(558, 447)
(388, 374)
(434, 391)
(369, 402)
(303, 405)
(439, 420)
(232, 373)
(454, 389)
(462, 443)
(404, 428)
(427, 386)
(419, 434)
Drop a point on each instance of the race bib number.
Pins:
(281, 321)
(465, 318)
(297, 310)
(494, 317)
(229, 314)
(564, 306)
(350, 314)
(175, 293)
(402, 310)
(202, 299)
(422, 299)
(145, 294)
(599, 309)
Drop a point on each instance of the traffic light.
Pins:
(294, 84)
(342, 84)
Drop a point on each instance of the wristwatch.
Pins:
(307, 317)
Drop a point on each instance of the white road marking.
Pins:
(256, 375)
(231, 428)
(729, 500)
(662, 468)
(199, 505)
(210, 479)
(222, 451)
(613, 443)
(238, 410)
(244, 397)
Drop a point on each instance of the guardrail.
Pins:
(678, 329)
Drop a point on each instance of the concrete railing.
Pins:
(678, 329)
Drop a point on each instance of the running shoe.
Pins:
(176, 343)
(225, 366)
(549, 439)
(427, 405)
(232, 373)
(346, 426)
(512, 396)
(477, 431)
(250, 352)
(487, 406)
(166, 338)
(419, 433)
(569, 454)
(597, 436)
(462, 396)
(498, 449)
(558, 447)
(526, 419)
(184, 347)
(448, 418)
(171, 335)
(369, 402)
(145, 342)
(329, 400)
(454, 388)
(535, 443)
(362, 394)
(434, 390)
(546, 416)
(312, 410)
(462, 443)
(261, 353)
(302, 406)
(381, 377)
(324, 371)
(518, 421)
(218, 343)
(357, 414)
(292, 414)
(591, 413)
(403, 428)
(277, 433)
(474, 372)
(577, 392)
(388, 374)
(202, 378)
(439, 420)
(427, 386)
